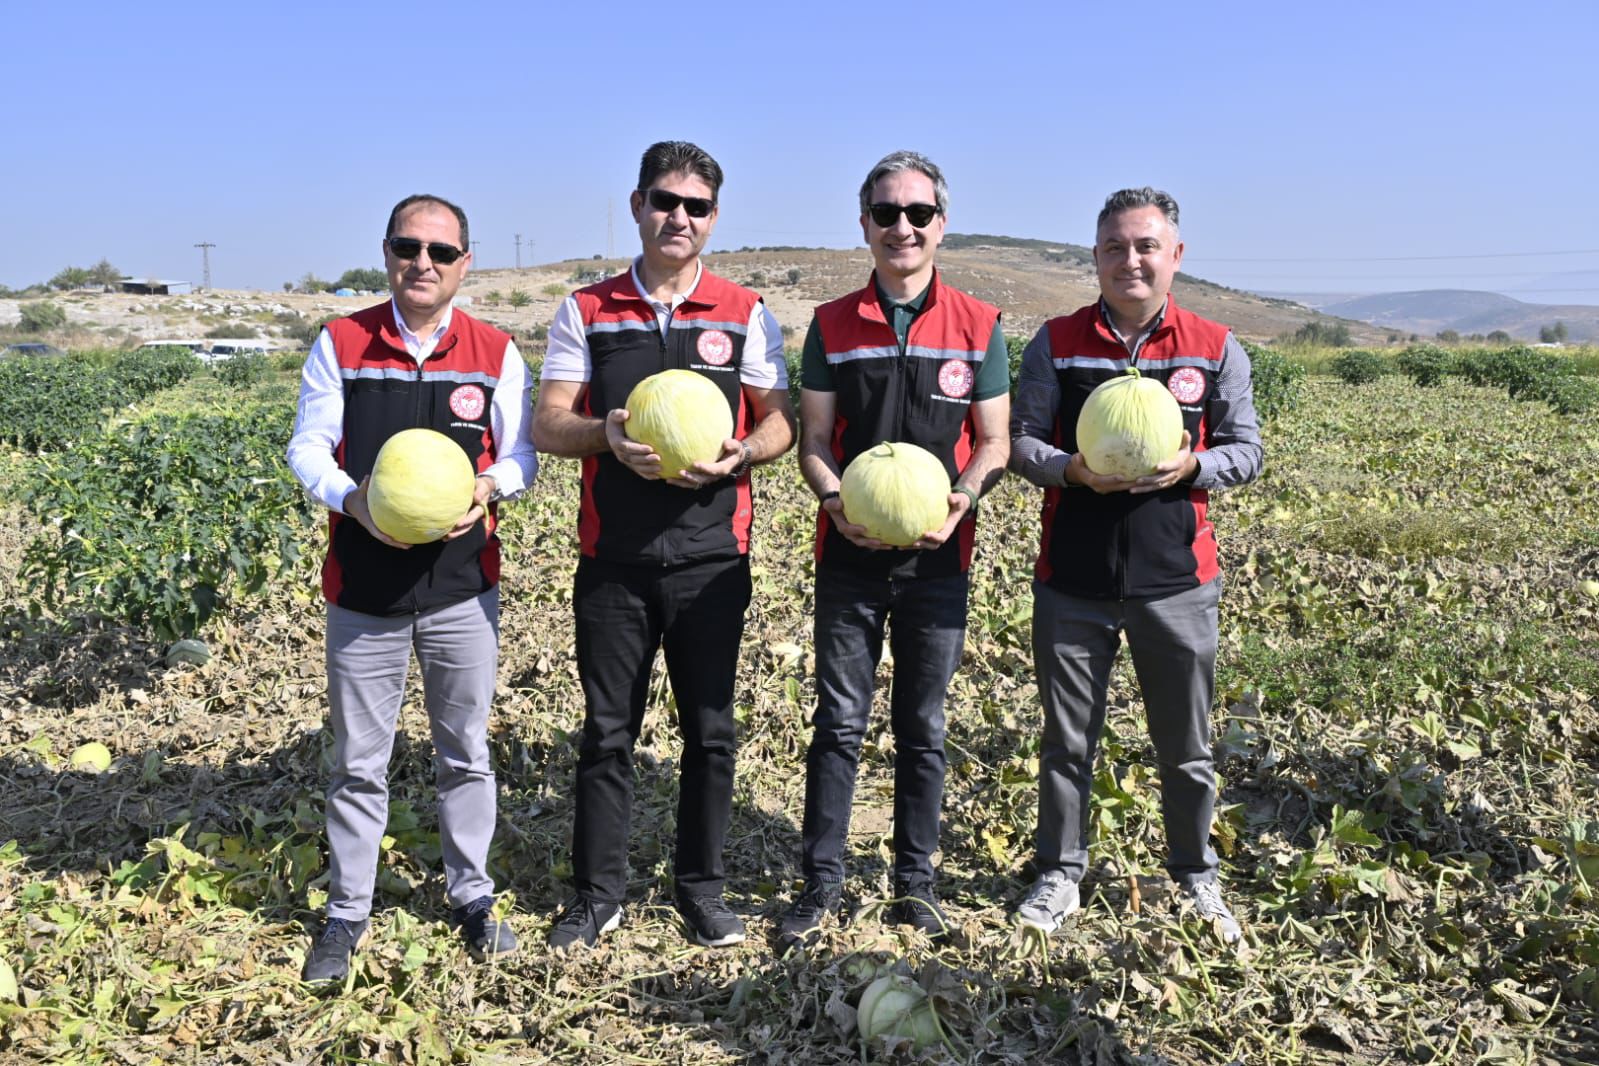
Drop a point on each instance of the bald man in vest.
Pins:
(1130, 555)
(906, 358)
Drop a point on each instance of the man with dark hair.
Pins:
(1133, 555)
(664, 560)
(905, 359)
(413, 361)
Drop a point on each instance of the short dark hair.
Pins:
(1129, 199)
(427, 198)
(894, 163)
(679, 157)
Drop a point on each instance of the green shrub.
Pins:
(519, 298)
(555, 289)
(1278, 381)
(1014, 346)
(1425, 364)
(1478, 366)
(158, 524)
(47, 402)
(1358, 366)
(369, 278)
(242, 370)
(41, 316)
(1568, 394)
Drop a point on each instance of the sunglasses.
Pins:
(410, 248)
(885, 215)
(693, 206)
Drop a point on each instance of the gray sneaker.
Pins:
(1207, 901)
(1046, 905)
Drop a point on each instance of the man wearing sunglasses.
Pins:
(664, 560)
(1130, 555)
(412, 361)
(907, 358)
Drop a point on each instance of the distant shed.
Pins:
(152, 286)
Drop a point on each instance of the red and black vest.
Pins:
(629, 519)
(385, 391)
(922, 396)
(1118, 545)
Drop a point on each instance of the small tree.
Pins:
(1499, 336)
(363, 278)
(519, 298)
(70, 278)
(1554, 334)
(41, 316)
(1327, 334)
(103, 273)
(793, 275)
(1448, 336)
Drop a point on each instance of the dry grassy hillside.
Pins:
(1029, 281)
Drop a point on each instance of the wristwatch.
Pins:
(744, 464)
(970, 495)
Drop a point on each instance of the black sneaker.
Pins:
(329, 959)
(918, 907)
(583, 921)
(803, 922)
(485, 935)
(709, 920)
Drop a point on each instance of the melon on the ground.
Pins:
(894, 1005)
(421, 485)
(682, 416)
(897, 491)
(93, 757)
(1129, 425)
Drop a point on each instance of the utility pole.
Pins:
(519, 251)
(205, 263)
(530, 251)
(473, 249)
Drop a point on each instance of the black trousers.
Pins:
(695, 612)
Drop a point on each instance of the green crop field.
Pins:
(1407, 735)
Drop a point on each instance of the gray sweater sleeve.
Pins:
(1233, 453)
(1033, 454)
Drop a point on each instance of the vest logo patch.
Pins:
(715, 347)
(1186, 384)
(467, 402)
(955, 377)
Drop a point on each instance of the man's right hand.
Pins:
(856, 535)
(639, 458)
(356, 507)
(1078, 473)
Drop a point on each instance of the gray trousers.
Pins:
(1173, 642)
(458, 650)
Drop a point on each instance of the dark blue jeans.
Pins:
(927, 622)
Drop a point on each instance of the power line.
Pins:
(1397, 258)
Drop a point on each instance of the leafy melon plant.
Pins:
(158, 522)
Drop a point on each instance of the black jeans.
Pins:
(695, 611)
(927, 631)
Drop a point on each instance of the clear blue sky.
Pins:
(1313, 148)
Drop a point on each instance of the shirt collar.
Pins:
(1154, 323)
(677, 297)
(414, 340)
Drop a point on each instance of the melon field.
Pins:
(1406, 731)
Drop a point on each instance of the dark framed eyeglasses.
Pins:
(885, 215)
(693, 206)
(409, 248)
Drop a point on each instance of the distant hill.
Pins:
(1429, 311)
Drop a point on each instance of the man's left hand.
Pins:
(1180, 467)
(701, 474)
(959, 505)
(482, 489)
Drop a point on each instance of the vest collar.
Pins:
(871, 308)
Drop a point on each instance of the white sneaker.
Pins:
(1207, 901)
(1052, 897)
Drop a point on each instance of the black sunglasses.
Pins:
(885, 215)
(694, 206)
(410, 248)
